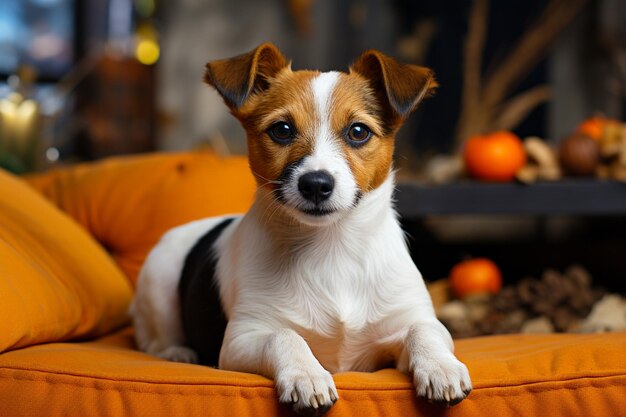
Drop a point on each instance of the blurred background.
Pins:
(82, 80)
(127, 73)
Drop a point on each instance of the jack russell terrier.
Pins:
(316, 278)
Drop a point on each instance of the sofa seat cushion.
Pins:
(551, 375)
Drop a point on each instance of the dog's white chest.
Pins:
(338, 317)
(350, 291)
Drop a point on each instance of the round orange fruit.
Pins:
(494, 157)
(594, 126)
(475, 276)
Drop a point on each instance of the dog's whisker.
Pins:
(271, 204)
(273, 213)
(267, 180)
(267, 209)
(263, 184)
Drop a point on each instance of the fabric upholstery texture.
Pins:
(56, 282)
(58, 285)
(128, 203)
(541, 375)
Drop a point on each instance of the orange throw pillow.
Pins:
(56, 282)
(127, 203)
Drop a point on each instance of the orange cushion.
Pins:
(127, 203)
(56, 282)
(534, 375)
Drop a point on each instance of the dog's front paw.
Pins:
(442, 380)
(307, 392)
(181, 354)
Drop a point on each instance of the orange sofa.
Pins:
(71, 244)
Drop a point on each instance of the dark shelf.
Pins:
(574, 197)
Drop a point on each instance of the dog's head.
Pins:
(319, 141)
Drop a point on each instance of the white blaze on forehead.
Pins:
(325, 148)
(323, 86)
(326, 154)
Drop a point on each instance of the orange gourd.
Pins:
(475, 276)
(494, 157)
(594, 126)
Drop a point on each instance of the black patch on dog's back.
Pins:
(203, 317)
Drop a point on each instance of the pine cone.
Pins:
(506, 299)
(554, 286)
(527, 290)
(580, 276)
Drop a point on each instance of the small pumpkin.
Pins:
(494, 157)
(579, 155)
(475, 276)
(594, 127)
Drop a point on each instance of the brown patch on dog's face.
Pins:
(287, 99)
(290, 98)
(377, 94)
(354, 101)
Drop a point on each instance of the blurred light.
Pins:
(9, 106)
(27, 109)
(147, 51)
(52, 154)
(47, 46)
(18, 118)
(8, 110)
(38, 32)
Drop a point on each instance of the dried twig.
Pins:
(514, 110)
(487, 112)
(530, 50)
(472, 64)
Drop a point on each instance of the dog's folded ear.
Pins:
(400, 87)
(238, 77)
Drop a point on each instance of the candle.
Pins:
(26, 118)
(8, 111)
(18, 126)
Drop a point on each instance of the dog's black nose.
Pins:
(316, 186)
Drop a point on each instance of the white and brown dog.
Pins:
(316, 278)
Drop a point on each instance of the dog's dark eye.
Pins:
(281, 132)
(359, 134)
